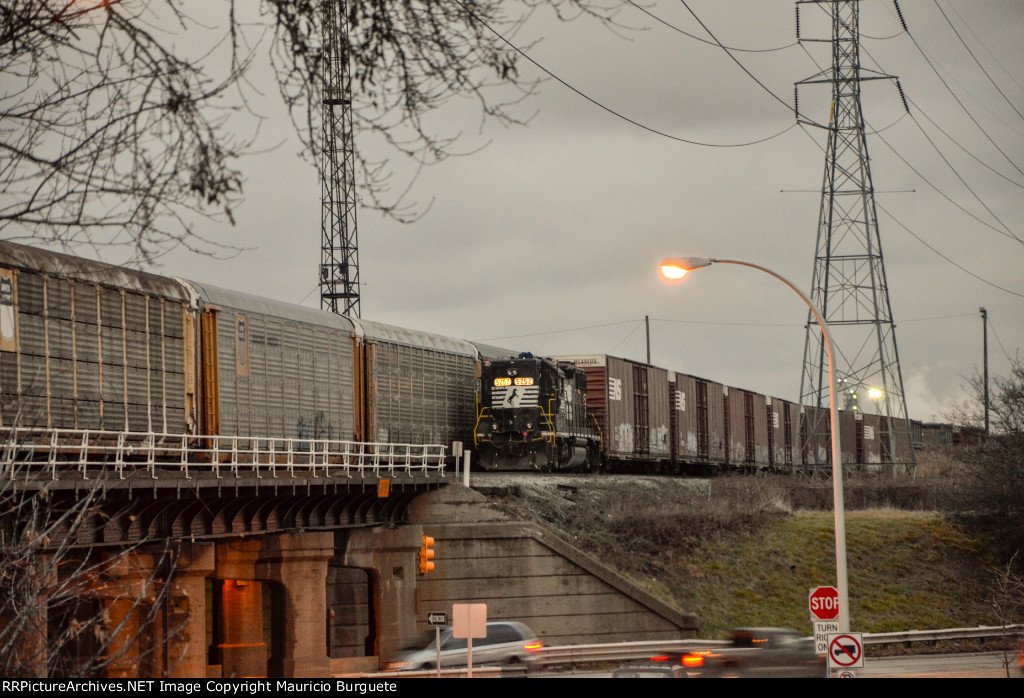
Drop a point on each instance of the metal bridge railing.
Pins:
(59, 450)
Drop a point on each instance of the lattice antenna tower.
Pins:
(848, 283)
(339, 254)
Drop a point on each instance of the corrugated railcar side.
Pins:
(275, 369)
(630, 401)
(419, 387)
(88, 345)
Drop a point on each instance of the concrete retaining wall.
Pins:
(524, 572)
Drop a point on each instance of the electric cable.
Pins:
(611, 111)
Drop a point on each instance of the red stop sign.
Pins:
(824, 603)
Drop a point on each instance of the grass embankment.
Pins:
(735, 552)
(906, 570)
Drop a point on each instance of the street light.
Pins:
(675, 269)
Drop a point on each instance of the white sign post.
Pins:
(437, 620)
(469, 620)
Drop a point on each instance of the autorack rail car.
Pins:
(92, 346)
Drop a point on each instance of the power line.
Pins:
(991, 326)
(955, 264)
(966, 111)
(736, 60)
(980, 66)
(608, 109)
(573, 329)
(705, 41)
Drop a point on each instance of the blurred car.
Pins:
(650, 671)
(760, 652)
(507, 642)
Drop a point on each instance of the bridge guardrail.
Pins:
(59, 449)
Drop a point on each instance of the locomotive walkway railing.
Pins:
(58, 450)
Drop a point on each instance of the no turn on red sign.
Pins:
(824, 603)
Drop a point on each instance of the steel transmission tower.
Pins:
(848, 283)
(339, 255)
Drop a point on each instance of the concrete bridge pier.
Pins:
(389, 556)
(186, 640)
(297, 563)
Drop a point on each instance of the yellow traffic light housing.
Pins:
(427, 555)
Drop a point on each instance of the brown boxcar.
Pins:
(815, 443)
(746, 429)
(630, 401)
(783, 434)
(683, 421)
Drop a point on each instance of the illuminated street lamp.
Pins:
(675, 269)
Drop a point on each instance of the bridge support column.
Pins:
(298, 562)
(389, 554)
(242, 650)
(133, 597)
(186, 618)
(31, 615)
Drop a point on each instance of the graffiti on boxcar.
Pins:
(316, 427)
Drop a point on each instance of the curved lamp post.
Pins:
(677, 267)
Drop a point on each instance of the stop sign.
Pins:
(824, 603)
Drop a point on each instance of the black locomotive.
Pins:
(532, 415)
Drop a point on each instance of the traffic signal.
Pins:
(427, 555)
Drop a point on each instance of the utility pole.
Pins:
(339, 254)
(984, 349)
(848, 283)
(647, 324)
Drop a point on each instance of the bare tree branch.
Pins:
(116, 129)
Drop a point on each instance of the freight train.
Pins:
(649, 419)
(88, 346)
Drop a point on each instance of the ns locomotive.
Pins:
(532, 415)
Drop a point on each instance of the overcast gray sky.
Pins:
(548, 238)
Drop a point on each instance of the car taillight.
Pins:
(533, 647)
(662, 658)
(694, 659)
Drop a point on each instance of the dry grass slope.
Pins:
(737, 552)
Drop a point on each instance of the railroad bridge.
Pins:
(222, 556)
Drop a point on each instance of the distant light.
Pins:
(671, 271)
(874, 393)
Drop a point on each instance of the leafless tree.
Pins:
(117, 126)
(1006, 402)
(994, 495)
(1007, 600)
(68, 610)
(108, 135)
